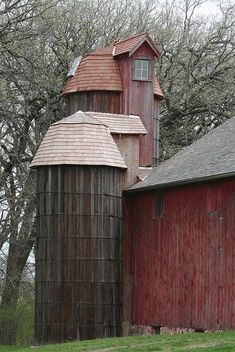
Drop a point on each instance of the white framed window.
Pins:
(141, 69)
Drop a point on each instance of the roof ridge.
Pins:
(131, 37)
(93, 52)
(79, 117)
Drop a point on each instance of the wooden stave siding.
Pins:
(99, 101)
(182, 272)
(58, 280)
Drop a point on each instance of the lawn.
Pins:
(179, 342)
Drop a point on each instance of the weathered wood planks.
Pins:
(78, 253)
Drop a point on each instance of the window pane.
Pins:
(144, 64)
(144, 73)
(141, 69)
(137, 73)
(138, 64)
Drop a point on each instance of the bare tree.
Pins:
(196, 71)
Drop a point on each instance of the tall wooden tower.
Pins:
(83, 164)
(121, 79)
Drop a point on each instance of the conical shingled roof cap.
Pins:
(78, 140)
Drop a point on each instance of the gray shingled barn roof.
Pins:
(210, 157)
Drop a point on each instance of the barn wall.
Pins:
(179, 256)
(78, 253)
(99, 101)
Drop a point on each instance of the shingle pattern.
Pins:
(212, 156)
(78, 140)
(120, 124)
(157, 89)
(95, 72)
(126, 45)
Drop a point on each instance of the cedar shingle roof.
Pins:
(131, 44)
(95, 72)
(78, 140)
(120, 124)
(100, 71)
(128, 45)
(210, 157)
(157, 89)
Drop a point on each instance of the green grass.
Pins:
(224, 341)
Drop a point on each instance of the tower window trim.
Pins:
(141, 71)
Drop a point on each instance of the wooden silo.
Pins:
(79, 188)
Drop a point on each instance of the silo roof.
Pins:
(95, 72)
(120, 124)
(78, 140)
(99, 70)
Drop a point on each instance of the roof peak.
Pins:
(131, 37)
(79, 117)
(128, 44)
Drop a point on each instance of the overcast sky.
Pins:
(209, 8)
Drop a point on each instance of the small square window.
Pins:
(141, 69)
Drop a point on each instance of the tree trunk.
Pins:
(19, 251)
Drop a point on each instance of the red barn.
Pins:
(179, 241)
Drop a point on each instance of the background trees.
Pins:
(39, 40)
(196, 71)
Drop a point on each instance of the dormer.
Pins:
(142, 52)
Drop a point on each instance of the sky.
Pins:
(210, 7)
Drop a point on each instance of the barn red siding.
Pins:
(138, 99)
(182, 261)
(142, 104)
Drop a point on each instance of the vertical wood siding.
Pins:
(181, 256)
(142, 103)
(78, 253)
(138, 99)
(128, 146)
(99, 101)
